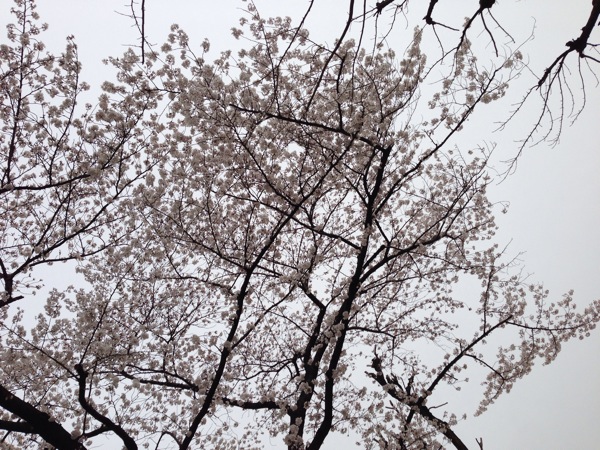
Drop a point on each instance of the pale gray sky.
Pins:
(554, 211)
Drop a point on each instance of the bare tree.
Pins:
(275, 235)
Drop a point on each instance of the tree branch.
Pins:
(40, 423)
(115, 428)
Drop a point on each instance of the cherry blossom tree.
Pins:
(269, 243)
(554, 86)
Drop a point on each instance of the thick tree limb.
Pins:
(19, 427)
(40, 423)
(109, 424)
(249, 404)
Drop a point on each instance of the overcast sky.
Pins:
(554, 211)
